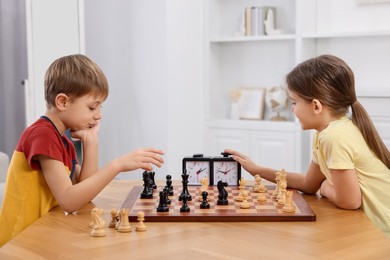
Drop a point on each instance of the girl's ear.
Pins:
(317, 106)
(60, 101)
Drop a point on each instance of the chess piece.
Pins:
(98, 228)
(184, 177)
(153, 184)
(282, 193)
(244, 203)
(162, 205)
(289, 205)
(240, 196)
(140, 226)
(204, 185)
(262, 188)
(262, 197)
(166, 193)
(204, 204)
(113, 218)
(222, 196)
(184, 198)
(256, 187)
(277, 180)
(124, 225)
(169, 185)
(146, 193)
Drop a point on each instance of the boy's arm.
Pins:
(72, 197)
(89, 140)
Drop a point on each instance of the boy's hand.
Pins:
(143, 158)
(86, 134)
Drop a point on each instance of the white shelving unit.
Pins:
(360, 34)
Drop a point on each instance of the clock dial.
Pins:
(197, 170)
(226, 171)
(197, 167)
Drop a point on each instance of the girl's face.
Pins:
(303, 110)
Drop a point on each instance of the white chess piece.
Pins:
(140, 226)
(244, 203)
(289, 206)
(124, 225)
(98, 228)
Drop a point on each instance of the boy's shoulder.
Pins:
(42, 129)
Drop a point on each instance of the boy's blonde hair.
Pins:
(74, 75)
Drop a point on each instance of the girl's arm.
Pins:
(308, 183)
(345, 191)
(72, 197)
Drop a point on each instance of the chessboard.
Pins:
(269, 211)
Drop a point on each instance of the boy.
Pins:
(44, 171)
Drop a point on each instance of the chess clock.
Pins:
(225, 169)
(197, 167)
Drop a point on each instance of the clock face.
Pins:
(226, 171)
(197, 170)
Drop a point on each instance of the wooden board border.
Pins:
(305, 212)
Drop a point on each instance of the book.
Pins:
(255, 16)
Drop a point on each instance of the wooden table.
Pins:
(336, 234)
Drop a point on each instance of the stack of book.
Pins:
(255, 16)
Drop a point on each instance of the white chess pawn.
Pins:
(256, 187)
(140, 226)
(244, 203)
(114, 214)
(262, 197)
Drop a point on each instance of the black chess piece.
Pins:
(153, 184)
(222, 196)
(169, 185)
(162, 205)
(185, 191)
(146, 193)
(184, 207)
(166, 192)
(204, 204)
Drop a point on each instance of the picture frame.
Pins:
(251, 102)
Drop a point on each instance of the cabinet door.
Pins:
(274, 150)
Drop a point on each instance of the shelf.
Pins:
(276, 126)
(279, 37)
(345, 34)
(373, 94)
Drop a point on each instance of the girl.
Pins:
(350, 163)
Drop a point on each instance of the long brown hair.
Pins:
(330, 80)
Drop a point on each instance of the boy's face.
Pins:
(83, 112)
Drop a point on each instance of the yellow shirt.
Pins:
(27, 196)
(342, 146)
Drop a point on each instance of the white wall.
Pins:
(53, 31)
(13, 69)
(151, 52)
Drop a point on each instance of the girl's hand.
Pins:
(244, 160)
